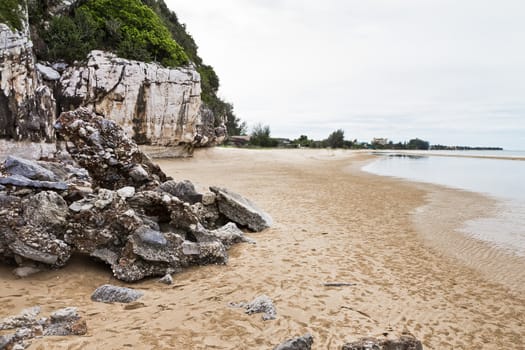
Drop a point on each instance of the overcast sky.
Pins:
(447, 71)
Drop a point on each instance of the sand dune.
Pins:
(333, 223)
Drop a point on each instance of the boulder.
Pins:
(261, 304)
(28, 168)
(111, 157)
(241, 210)
(113, 294)
(405, 342)
(230, 234)
(300, 343)
(183, 190)
(22, 181)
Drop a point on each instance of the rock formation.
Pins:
(27, 106)
(108, 200)
(28, 325)
(154, 105)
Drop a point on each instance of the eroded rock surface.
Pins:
(113, 294)
(154, 105)
(28, 325)
(241, 210)
(117, 208)
(300, 343)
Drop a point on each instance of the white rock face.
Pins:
(27, 106)
(154, 105)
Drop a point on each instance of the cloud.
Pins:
(447, 69)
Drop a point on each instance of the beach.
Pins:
(393, 240)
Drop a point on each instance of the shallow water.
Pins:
(502, 179)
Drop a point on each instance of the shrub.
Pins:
(10, 14)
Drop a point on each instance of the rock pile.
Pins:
(28, 325)
(108, 200)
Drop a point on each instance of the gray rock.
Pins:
(48, 73)
(126, 192)
(230, 234)
(30, 169)
(2, 187)
(46, 209)
(241, 210)
(104, 198)
(65, 314)
(25, 271)
(261, 304)
(7, 340)
(208, 198)
(166, 279)
(23, 319)
(138, 173)
(300, 343)
(151, 237)
(113, 294)
(405, 342)
(106, 255)
(184, 190)
(33, 254)
(82, 205)
(22, 181)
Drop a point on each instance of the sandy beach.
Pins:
(393, 239)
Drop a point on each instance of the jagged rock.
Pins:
(230, 234)
(208, 198)
(126, 192)
(28, 168)
(300, 343)
(47, 73)
(25, 318)
(25, 271)
(22, 181)
(113, 294)
(241, 210)
(28, 326)
(261, 304)
(27, 106)
(166, 279)
(405, 342)
(65, 322)
(183, 190)
(100, 145)
(138, 226)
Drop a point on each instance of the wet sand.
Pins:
(333, 223)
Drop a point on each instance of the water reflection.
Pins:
(498, 178)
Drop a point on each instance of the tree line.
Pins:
(261, 137)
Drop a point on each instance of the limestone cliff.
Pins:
(27, 107)
(154, 105)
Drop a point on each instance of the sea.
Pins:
(497, 174)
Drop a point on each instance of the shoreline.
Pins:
(330, 226)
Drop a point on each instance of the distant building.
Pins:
(380, 141)
(239, 140)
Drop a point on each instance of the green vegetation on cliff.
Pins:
(144, 30)
(127, 27)
(10, 13)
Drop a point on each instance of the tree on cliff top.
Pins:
(127, 27)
